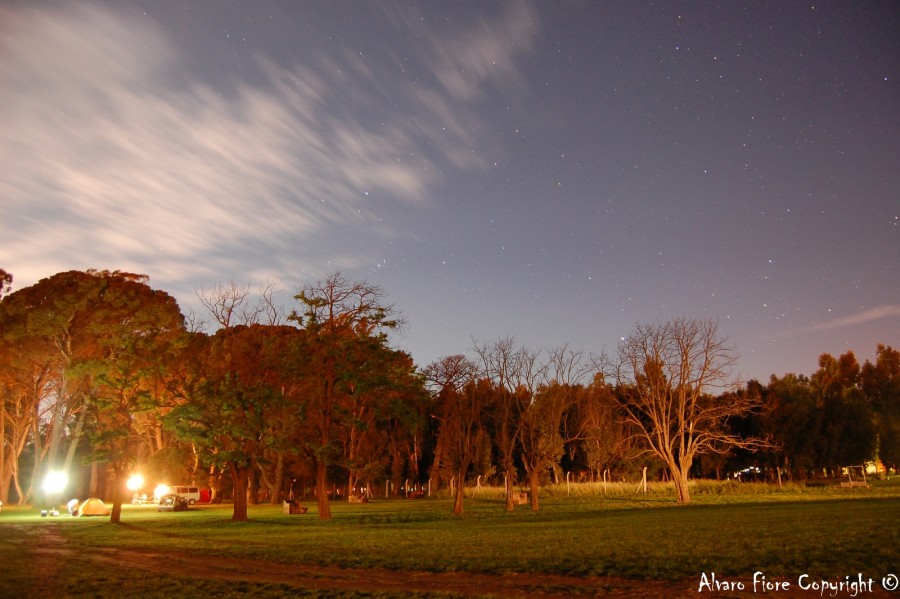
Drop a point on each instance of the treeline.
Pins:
(99, 372)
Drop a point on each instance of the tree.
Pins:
(848, 434)
(6, 280)
(881, 385)
(131, 324)
(49, 320)
(672, 374)
(27, 386)
(337, 315)
(513, 372)
(383, 381)
(544, 421)
(241, 389)
(61, 328)
(791, 419)
(460, 409)
(231, 305)
(605, 433)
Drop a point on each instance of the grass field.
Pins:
(732, 530)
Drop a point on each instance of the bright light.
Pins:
(55, 481)
(161, 490)
(135, 482)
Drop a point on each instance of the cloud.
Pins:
(486, 53)
(879, 313)
(115, 156)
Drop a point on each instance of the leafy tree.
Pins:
(6, 280)
(792, 420)
(751, 425)
(881, 385)
(131, 324)
(63, 327)
(848, 434)
(403, 427)
(339, 316)
(27, 386)
(382, 381)
(240, 390)
(674, 375)
(51, 320)
(606, 435)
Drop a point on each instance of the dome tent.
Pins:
(93, 507)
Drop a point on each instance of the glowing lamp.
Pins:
(55, 482)
(135, 482)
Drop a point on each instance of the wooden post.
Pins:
(567, 482)
(643, 485)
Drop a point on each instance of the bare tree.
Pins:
(544, 433)
(270, 312)
(461, 413)
(674, 378)
(230, 304)
(508, 367)
(233, 304)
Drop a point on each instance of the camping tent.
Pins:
(93, 507)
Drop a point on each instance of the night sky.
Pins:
(552, 171)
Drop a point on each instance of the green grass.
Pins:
(733, 530)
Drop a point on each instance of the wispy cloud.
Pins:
(873, 314)
(115, 157)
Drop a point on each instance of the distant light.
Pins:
(55, 481)
(161, 490)
(135, 482)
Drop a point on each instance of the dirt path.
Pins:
(49, 547)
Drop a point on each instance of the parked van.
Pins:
(192, 494)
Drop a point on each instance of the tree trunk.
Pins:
(239, 481)
(534, 482)
(214, 483)
(118, 484)
(38, 453)
(252, 488)
(682, 492)
(352, 481)
(56, 422)
(510, 502)
(322, 490)
(397, 468)
(94, 486)
(73, 444)
(460, 492)
(278, 485)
